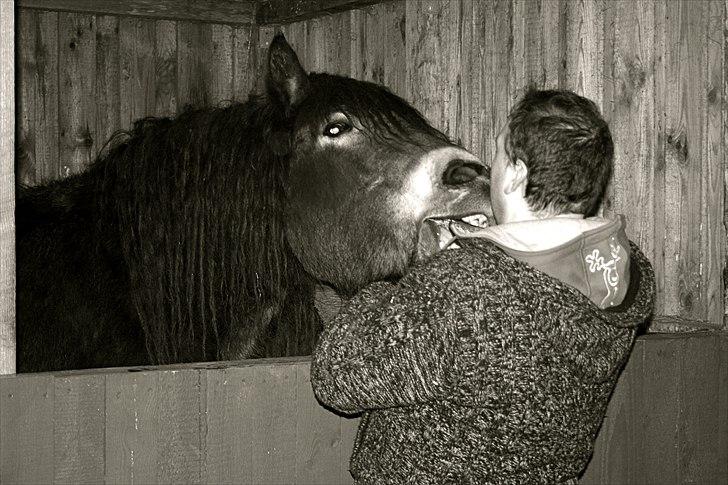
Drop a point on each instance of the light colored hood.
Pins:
(530, 236)
(591, 255)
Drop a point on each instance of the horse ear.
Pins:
(286, 78)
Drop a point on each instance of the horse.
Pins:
(205, 236)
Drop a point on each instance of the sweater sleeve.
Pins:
(393, 344)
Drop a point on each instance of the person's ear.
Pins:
(517, 177)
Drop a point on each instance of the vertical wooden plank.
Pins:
(585, 48)
(194, 76)
(539, 45)
(25, 111)
(329, 44)
(378, 45)
(221, 64)
(107, 79)
(661, 196)
(26, 420)
(79, 429)
(132, 427)
(553, 46)
(499, 32)
(245, 65)
(7, 191)
(137, 69)
(489, 70)
(273, 407)
(165, 70)
(714, 249)
(77, 86)
(722, 444)
(699, 425)
(229, 442)
(37, 82)
(318, 437)
(725, 162)
(629, 94)
(433, 59)
(475, 88)
(182, 431)
(611, 459)
(659, 412)
(685, 29)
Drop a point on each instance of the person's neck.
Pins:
(525, 214)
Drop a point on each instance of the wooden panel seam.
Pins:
(233, 12)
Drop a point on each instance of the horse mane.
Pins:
(197, 204)
(385, 117)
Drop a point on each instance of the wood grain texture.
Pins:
(684, 123)
(107, 94)
(245, 62)
(229, 442)
(37, 85)
(165, 68)
(27, 424)
(378, 45)
(77, 88)
(137, 69)
(289, 11)
(629, 108)
(713, 257)
(181, 431)
(585, 47)
(194, 71)
(78, 429)
(433, 74)
(218, 11)
(7, 190)
(132, 427)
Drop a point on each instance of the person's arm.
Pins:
(395, 344)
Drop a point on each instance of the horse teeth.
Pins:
(479, 220)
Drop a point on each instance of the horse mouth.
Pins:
(435, 234)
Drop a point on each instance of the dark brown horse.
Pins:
(204, 236)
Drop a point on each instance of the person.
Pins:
(494, 362)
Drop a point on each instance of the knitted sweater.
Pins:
(476, 368)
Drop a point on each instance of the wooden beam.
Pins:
(677, 323)
(217, 11)
(7, 188)
(286, 11)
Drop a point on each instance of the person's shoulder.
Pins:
(473, 257)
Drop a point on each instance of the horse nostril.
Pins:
(460, 172)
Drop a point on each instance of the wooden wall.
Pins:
(258, 422)
(81, 77)
(657, 69)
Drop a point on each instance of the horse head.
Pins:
(366, 171)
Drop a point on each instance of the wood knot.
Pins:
(714, 95)
(679, 144)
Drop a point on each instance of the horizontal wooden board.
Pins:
(218, 11)
(286, 11)
(258, 422)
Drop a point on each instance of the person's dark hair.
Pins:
(567, 148)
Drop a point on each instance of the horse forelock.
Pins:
(384, 116)
(197, 202)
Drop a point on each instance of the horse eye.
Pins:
(333, 130)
